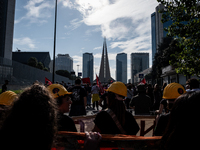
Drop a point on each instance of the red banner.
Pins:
(47, 81)
(86, 80)
(143, 81)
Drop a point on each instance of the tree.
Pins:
(40, 66)
(185, 15)
(33, 62)
(161, 58)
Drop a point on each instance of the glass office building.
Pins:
(139, 62)
(121, 67)
(153, 34)
(7, 15)
(88, 66)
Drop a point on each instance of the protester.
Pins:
(115, 119)
(183, 127)
(149, 92)
(79, 99)
(103, 100)
(6, 100)
(170, 93)
(157, 97)
(141, 103)
(129, 95)
(63, 99)
(4, 86)
(88, 90)
(32, 123)
(95, 96)
(193, 85)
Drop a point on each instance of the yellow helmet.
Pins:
(118, 88)
(57, 90)
(173, 91)
(7, 98)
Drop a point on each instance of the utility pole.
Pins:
(54, 47)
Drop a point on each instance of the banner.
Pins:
(86, 80)
(47, 81)
(143, 81)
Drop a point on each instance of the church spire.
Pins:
(104, 73)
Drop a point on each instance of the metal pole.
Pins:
(54, 47)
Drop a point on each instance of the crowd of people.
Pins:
(31, 119)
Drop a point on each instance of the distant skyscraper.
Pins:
(121, 67)
(62, 62)
(88, 66)
(153, 34)
(7, 14)
(139, 62)
(104, 73)
(157, 29)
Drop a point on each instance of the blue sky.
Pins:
(81, 26)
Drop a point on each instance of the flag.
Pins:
(47, 81)
(86, 80)
(101, 90)
(143, 81)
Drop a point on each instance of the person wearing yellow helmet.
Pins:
(171, 92)
(115, 119)
(32, 121)
(6, 100)
(63, 99)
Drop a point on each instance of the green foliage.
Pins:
(65, 73)
(185, 15)
(161, 58)
(40, 66)
(33, 62)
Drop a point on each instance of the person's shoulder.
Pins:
(127, 113)
(102, 113)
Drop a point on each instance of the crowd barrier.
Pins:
(112, 142)
(79, 120)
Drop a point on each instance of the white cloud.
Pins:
(26, 41)
(37, 11)
(111, 56)
(98, 48)
(126, 23)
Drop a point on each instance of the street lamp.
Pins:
(54, 47)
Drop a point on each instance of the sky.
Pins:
(82, 26)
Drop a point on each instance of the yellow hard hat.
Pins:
(7, 98)
(118, 88)
(57, 90)
(173, 91)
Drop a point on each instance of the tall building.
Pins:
(121, 67)
(104, 73)
(88, 61)
(153, 34)
(62, 62)
(139, 62)
(7, 15)
(157, 29)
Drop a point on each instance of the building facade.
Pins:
(157, 29)
(139, 62)
(23, 57)
(7, 15)
(64, 62)
(88, 61)
(121, 67)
